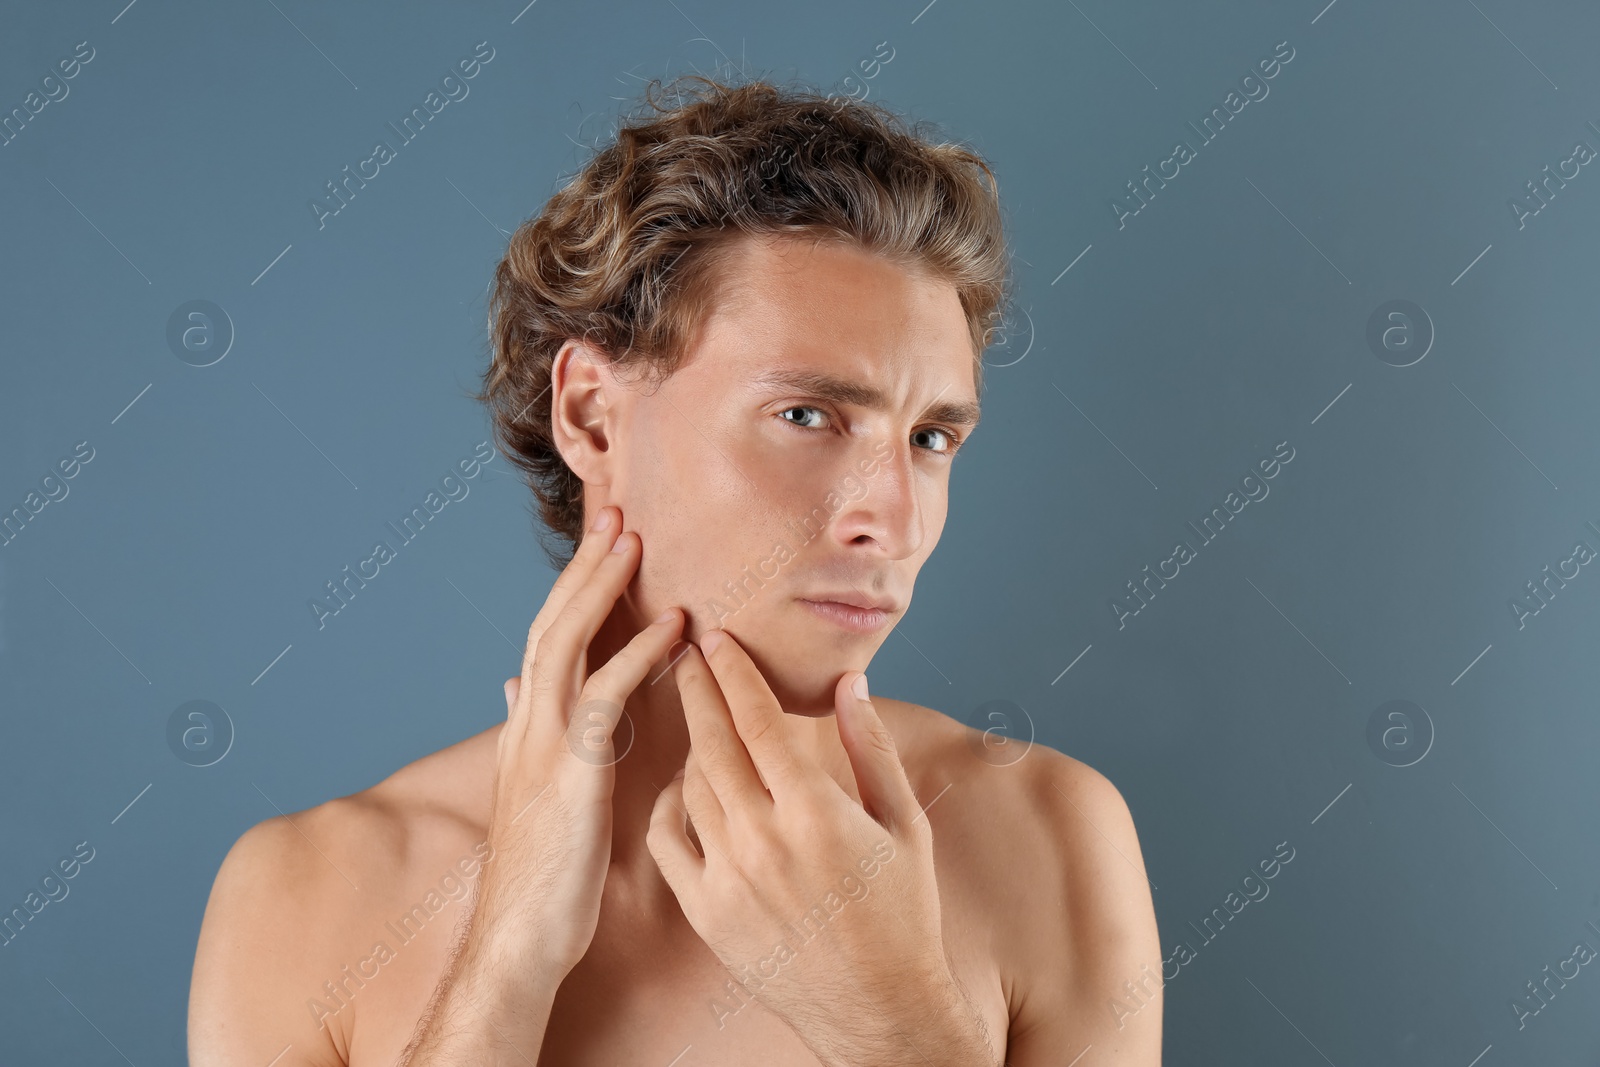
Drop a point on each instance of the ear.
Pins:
(586, 409)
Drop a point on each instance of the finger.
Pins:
(724, 758)
(886, 791)
(668, 842)
(512, 687)
(626, 668)
(551, 680)
(601, 535)
(593, 550)
(702, 805)
(754, 713)
(601, 705)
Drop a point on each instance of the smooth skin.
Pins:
(997, 907)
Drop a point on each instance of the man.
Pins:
(715, 850)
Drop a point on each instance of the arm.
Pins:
(487, 1008)
(536, 908)
(1097, 982)
(278, 928)
(284, 899)
(263, 952)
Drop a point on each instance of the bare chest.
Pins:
(682, 1006)
(648, 991)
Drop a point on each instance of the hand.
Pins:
(825, 909)
(550, 826)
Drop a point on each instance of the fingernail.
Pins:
(622, 543)
(665, 616)
(711, 641)
(679, 647)
(679, 774)
(859, 687)
(602, 520)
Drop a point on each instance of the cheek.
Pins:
(652, 494)
(935, 510)
(704, 507)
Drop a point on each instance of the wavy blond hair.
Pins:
(623, 256)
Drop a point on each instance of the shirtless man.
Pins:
(714, 850)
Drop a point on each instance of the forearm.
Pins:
(491, 1008)
(949, 1031)
(951, 1042)
(929, 1022)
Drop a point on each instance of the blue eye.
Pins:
(952, 439)
(799, 408)
(950, 448)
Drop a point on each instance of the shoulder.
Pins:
(283, 892)
(1046, 849)
(1063, 820)
(291, 907)
(1036, 787)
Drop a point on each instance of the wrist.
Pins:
(947, 1026)
(511, 958)
(926, 1019)
(505, 989)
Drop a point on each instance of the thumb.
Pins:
(513, 687)
(886, 793)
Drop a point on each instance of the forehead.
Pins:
(830, 304)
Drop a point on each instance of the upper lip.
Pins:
(852, 599)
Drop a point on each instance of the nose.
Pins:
(888, 514)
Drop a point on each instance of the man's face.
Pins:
(800, 454)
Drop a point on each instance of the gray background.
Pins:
(1227, 316)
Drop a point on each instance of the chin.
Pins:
(802, 677)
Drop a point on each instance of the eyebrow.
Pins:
(843, 391)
